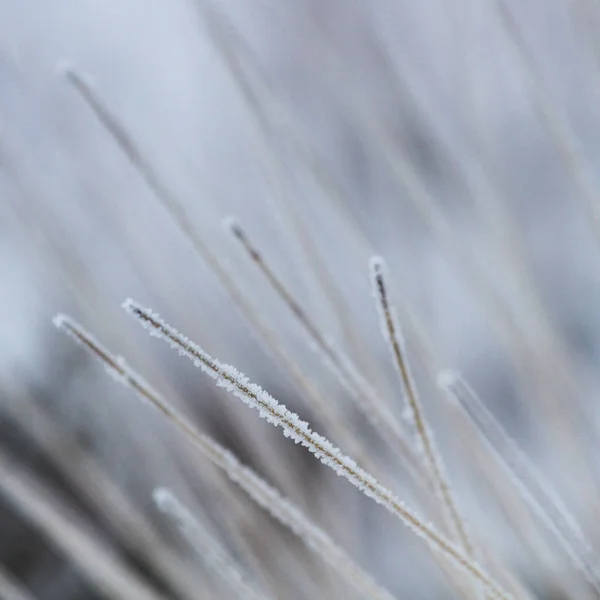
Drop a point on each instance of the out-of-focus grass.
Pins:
(459, 141)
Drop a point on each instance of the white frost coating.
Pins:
(258, 490)
(207, 546)
(293, 427)
(71, 326)
(61, 320)
(532, 487)
(284, 511)
(361, 393)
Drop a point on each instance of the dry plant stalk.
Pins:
(407, 176)
(234, 55)
(168, 201)
(351, 380)
(277, 414)
(266, 496)
(425, 440)
(232, 43)
(347, 373)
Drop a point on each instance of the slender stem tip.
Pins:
(233, 226)
(377, 266)
(132, 307)
(66, 69)
(447, 379)
(162, 496)
(62, 321)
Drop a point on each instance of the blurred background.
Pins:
(457, 140)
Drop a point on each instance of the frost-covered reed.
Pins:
(293, 427)
(458, 141)
(259, 490)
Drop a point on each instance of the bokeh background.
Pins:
(458, 140)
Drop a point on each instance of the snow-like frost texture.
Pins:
(257, 489)
(293, 427)
(60, 320)
(284, 511)
(340, 365)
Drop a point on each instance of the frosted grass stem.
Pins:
(277, 414)
(263, 494)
